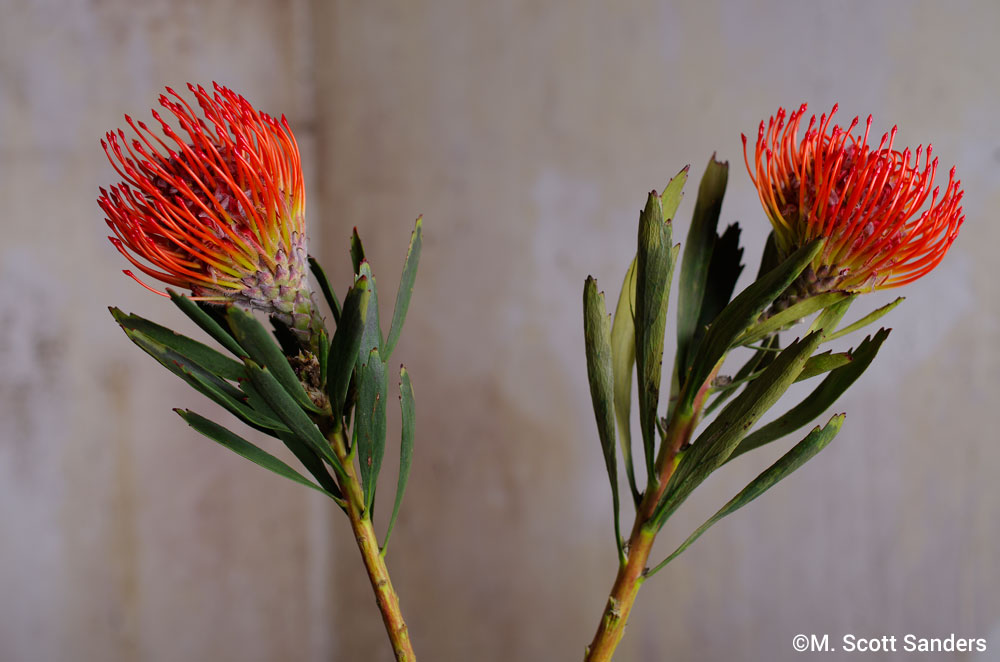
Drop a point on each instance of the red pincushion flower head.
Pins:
(868, 203)
(220, 211)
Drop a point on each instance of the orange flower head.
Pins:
(869, 204)
(217, 208)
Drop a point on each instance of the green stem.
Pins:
(378, 574)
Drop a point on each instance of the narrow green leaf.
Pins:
(408, 408)
(287, 341)
(344, 347)
(822, 397)
(597, 342)
(405, 290)
(654, 266)
(865, 321)
(741, 312)
(370, 423)
(816, 365)
(244, 448)
(821, 363)
(769, 257)
(185, 368)
(207, 323)
(325, 288)
(309, 458)
(760, 359)
(371, 337)
(324, 356)
(713, 446)
(723, 272)
(218, 390)
(830, 317)
(254, 338)
(789, 316)
(698, 250)
(357, 252)
(670, 199)
(622, 363)
(292, 415)
(801, 453)
(215, 362)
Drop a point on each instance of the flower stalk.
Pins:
(364, 534)
(632, 572)
(847, 218)
(220, 212)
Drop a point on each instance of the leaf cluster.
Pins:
(712, 324)
(329, 422)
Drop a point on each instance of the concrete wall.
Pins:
(527, 135)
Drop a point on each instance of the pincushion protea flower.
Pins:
(220, 211)
(866, 203)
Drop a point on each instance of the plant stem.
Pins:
(632, 573)
(626, 587)
(378, 574)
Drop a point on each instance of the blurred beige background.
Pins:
(528, 135)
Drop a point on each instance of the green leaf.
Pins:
(816, 365)
(622, 363)
(405, 290)
(244, 448)
(654, 267)
(741, 312)
(864, 321)
(789, 316)
(287, 341)
(597, 341)
(371, 337)
(207, 323)
(761, 359)
(801, 453)
(769, 257)
(370, 423)
(822, 397)
(215, 362)
(324, 286)
(344, 347)
(309, 458)
(828, 320)
(324, 355)
(357, 252)
(821, 363)
(254, 338)
(407, 406)
(713, 446)
(723, 272)
(670, 199)
(257, 402)
(698, 250)
(219, 391)
(291, 414)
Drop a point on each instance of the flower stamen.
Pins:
(866, 202)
